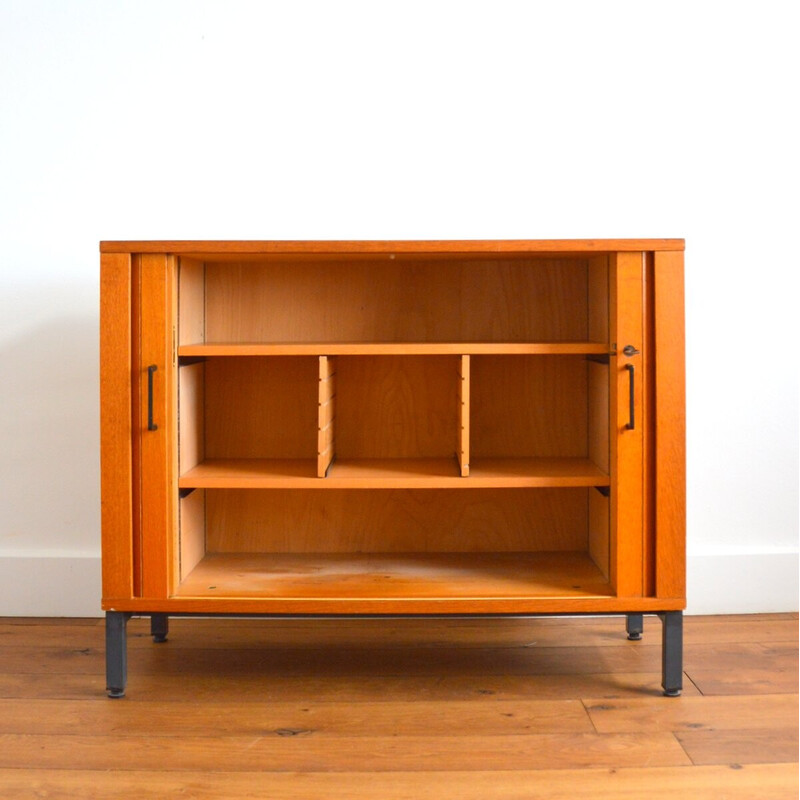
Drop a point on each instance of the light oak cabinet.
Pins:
(334, 428)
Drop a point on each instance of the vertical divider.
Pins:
(462, 451)
(326, 415)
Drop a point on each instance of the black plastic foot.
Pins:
(672, 653)
(159, 627)
(116, 653)
(634, 624)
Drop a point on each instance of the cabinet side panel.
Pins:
(116, 474)
(599, 517)
(191, 301)
(191, 420)
(193, 531)
(670, 427)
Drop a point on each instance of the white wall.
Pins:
(401, 120)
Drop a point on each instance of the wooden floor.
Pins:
(462, 708)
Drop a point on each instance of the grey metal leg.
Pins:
(159, 627)
(672, 652)
(634, 625)
(116, 653)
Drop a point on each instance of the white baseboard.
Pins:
(742, 583)
(50, 586)
(722, 583)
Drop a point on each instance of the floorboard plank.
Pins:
(694, 713)
(231, 688)
(748, 746)
(760, 782)
(252, 718)
(273, 752)
(744, 681)
(369, 661)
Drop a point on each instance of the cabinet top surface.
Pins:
(408, 248)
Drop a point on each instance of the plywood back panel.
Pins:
(428, 520)
(390, 301)
(396, 406)
(524, 406)
(262, 407)
(597, 286)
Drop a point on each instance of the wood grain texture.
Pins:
(463, 416)
(597, 299)
(599, 415)
(270, 606)
(362, 302)
(192, 540)
(274, 752)
(191, 416)
(332, 719)
(528, 406)
(116, 429)
(694, 713)
(396, 576)
(627, 490)
(393, 473)
(326, 415)
(191, 301)
(670, 427)
(396, 520)
(748, 746)
(396, 407)
(159, 451)
(757, 782)
(392, 348)
(261, 407)
(600, 532)
(464, 246)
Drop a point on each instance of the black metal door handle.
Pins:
(151, 426)
(631, 399)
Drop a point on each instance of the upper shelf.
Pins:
(394, 473)
(392, 348)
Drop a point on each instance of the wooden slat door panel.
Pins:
(157, 448)
(627, 450)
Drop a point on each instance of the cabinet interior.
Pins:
(394, 427)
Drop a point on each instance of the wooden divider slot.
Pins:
(462, 451)
(327, 415)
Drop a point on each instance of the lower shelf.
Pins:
(396, 576)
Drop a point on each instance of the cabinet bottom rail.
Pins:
(117, 659)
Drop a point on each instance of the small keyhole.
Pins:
(630, 350)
